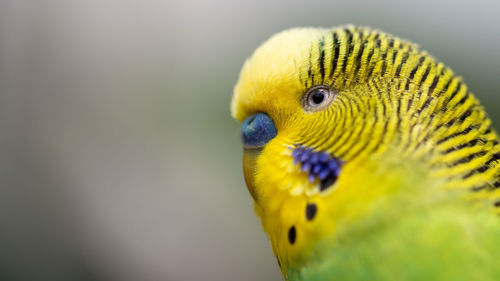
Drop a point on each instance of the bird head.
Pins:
(336, 121)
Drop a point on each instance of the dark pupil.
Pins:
(318, 97)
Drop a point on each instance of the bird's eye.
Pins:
(317, 98)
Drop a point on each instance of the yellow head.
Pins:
(373, 103)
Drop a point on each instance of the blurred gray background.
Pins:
(118, 156)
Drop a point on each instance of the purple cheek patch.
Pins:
(319, 165)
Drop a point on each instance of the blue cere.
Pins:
(257, 130)
(319, 165)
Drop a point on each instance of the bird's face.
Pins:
(279, 112)
(294, 104)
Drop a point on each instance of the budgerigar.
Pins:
(368, 159)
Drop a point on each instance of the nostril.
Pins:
(250, 119)
(257, 130)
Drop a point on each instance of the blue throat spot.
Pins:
(319, 165)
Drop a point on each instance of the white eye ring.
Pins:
(317, 98)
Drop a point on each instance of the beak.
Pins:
(250, 156)
(257, 130)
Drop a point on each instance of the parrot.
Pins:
(367, 159)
